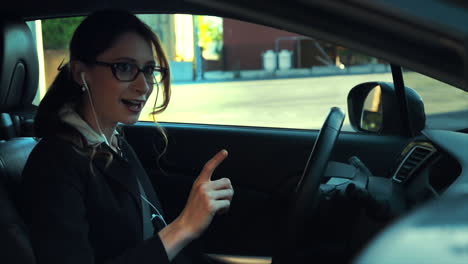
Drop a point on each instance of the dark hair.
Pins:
(94, 35)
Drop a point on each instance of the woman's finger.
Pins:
(211, 165)
(219, 205)
(219, 184)
(222, 194)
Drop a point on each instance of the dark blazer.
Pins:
(81, 215)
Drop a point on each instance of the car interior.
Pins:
(301, 195)
(19, 83)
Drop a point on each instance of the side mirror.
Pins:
(372, 115)
(373, 108)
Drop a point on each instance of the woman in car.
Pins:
(90, 200)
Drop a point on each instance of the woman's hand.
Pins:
(206, 198)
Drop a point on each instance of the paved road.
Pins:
(292, 103)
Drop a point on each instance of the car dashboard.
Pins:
(447, 171)
(433, 227)
(427, 168)
(425, 172)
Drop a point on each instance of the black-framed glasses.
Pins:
(128, 72)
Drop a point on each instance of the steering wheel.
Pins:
(306, 195)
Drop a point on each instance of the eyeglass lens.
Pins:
(129, 72)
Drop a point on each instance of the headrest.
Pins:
(19, 67)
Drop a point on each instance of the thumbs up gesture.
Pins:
(206, 198)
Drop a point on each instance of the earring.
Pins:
(83, 88)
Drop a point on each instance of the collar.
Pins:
(68, 115)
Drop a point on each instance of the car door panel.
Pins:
(264, 165)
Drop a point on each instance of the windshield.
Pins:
(446, 106)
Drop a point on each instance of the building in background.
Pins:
(244, 44)
(198, 44)
(163, 25)
(176, 33)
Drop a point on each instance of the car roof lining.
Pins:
(385, 35)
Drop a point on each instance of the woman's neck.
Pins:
(99, 126)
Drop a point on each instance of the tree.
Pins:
(57, 33)
(210, 36)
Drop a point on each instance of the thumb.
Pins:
(211, 165)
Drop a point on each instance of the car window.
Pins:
(446, 107)
(229, 72)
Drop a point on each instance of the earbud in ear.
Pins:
(84, 86)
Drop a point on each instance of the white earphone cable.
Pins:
(88, 91)
(158, 214)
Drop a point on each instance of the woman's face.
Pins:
(117, 101)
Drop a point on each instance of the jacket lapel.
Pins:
(121, 172)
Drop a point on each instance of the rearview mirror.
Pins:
(373, 107)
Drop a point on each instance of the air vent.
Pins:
(413, 160)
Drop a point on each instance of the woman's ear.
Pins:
(77, 68)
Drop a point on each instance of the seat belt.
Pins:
(148, 228)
